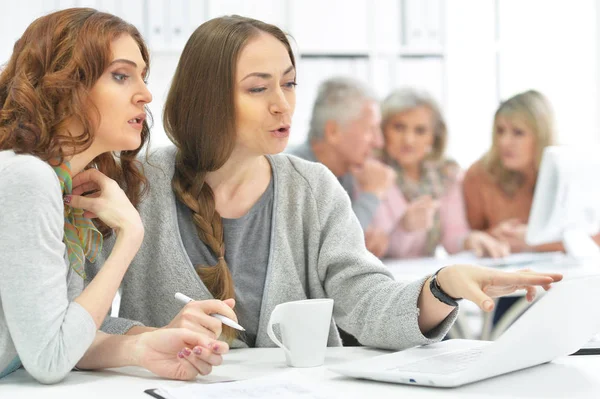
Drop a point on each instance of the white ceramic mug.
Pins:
(304, 327)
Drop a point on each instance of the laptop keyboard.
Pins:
(446, 363)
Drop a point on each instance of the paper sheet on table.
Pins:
(288, 384)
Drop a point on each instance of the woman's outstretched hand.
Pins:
(480, 284)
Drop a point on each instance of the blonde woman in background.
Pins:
(499, 187)
(426, 207)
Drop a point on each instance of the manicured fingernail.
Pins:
(487, 305)
(215, 347)
(187, 352)
(197, 350)
(67, 199)
(180, 355)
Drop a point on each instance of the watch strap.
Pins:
(439, 293)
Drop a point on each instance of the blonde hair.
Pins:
(534, 109)
(405, 99)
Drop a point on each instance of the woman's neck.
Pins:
(529, 177)
(78, 162)
(410, 171)
(239, 183)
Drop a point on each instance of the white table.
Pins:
(573, 377)
(542, 262)
(412, 269)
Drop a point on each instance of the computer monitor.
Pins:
(566, 201)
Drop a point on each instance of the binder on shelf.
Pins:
(132, 12)
(66, 4)
(413, 23)
(157, 26)
(433, 23)
(422, 24)
(178, 24)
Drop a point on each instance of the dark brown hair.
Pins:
(199, 119)
(46, 84)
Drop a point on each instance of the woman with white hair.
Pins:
(499, 187)
(426, 207)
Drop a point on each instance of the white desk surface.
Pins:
(410, 269)
(572, 377)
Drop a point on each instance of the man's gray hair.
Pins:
(339, 99)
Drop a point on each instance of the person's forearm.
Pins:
(431, 311)
(135, 330)
(97, 297)
(551, 247)
(110, 351)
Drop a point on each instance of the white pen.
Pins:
(224, 319)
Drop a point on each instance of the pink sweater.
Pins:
(405, 244)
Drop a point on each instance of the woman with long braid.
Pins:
(225, 209)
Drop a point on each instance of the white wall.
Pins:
(471, 76)
(503, 47)
(552, 46)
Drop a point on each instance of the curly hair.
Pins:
(199, 118)
(45, 86)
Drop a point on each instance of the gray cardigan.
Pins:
(317, 250)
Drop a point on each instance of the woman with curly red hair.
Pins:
(72, 120)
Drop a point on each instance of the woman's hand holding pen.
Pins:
(195, 316)
(178, 353)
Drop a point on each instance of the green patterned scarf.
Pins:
(82, 238)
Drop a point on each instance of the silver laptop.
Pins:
(557, 324)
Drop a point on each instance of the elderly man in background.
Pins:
(345, 129)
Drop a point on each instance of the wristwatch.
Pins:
(440, 294)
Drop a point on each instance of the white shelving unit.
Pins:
(364, 39)
(387, 43)
(367, 40)
(334, 37)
